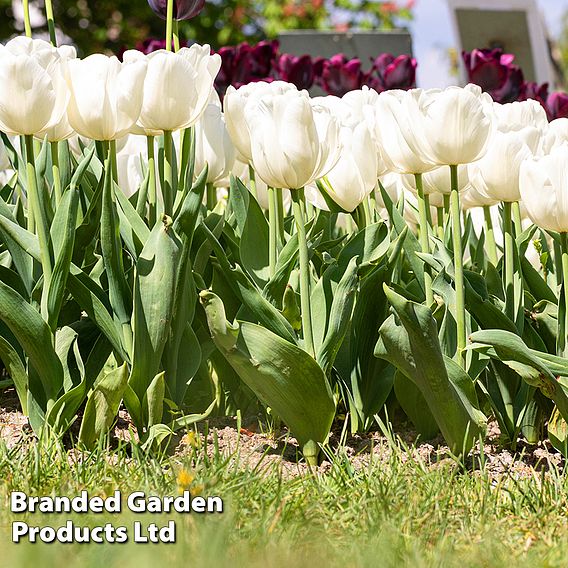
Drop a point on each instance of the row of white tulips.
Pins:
(505, 152)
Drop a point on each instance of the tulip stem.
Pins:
(50, 22)
(455, 217)
(490, 236)
(211, 197)
(169, 24)
(299, 216)
(440, 222)
(516, 208)
(280, 216)
(152, 181)
(272, 231)
(176, 35)
(168, 185)
(428, 212)
(509, 267)
(56, 172)
(34, 204)
(27, 24)
(252, 179)
(424, 237)
(113, 162)
(367, 212)
(564, 338)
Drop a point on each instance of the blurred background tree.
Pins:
(111, 25)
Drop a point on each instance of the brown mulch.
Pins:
(253, 448)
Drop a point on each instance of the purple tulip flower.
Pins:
(390, 72)
(557, 105)
(341, 75)
(495, 73)
(183, 9)
(296, 70)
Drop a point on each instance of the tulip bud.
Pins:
(33, 90)
(296, 70)
(340, 75)
(495, 73)
(176, 88)
(399, 132)
(183, 9)
(213, 144)
(557, 105)
(455, 123)
(235, 102)
(519, 129)
(543, 183)
(393, 73)
(293, 140)
(106, 95)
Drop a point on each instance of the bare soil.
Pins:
(252, 448)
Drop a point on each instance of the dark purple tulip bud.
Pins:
(296, 70)
(317, 66)
(487, 68)
(262, 58)
(340, 75)
(183, 9)
(393, 72)
(512, 87)
(495, 73)
(225, 76)
(536, 92)
(557, 105)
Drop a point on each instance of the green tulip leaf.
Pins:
(411, 344)
(282, 375)
(102, 405)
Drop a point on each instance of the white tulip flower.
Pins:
(294, 141)
(213, 145)
(519, 130)
(543, 183)
(398, 133)
(129, 160)
(106, 96)
(234, 105)
(456, 123)
(177, 87)
(33, 91)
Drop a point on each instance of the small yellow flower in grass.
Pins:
(184, 479)
(191, 439)
(197, 490)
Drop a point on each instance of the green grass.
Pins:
(395, 512)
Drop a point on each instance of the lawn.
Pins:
(397, 509)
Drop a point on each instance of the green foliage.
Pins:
(117, 24)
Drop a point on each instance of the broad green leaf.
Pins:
(132, 227)
(63, 238)
(254, 233)
(119, 293)
(339, 316)
(35, 337)
(415, 406)
(154, 400)
(511, 350)
(154, 294)
(266, 314)
(15, 367)
(282, 375)
(102, 406)
(92, 300)
(411, 344)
